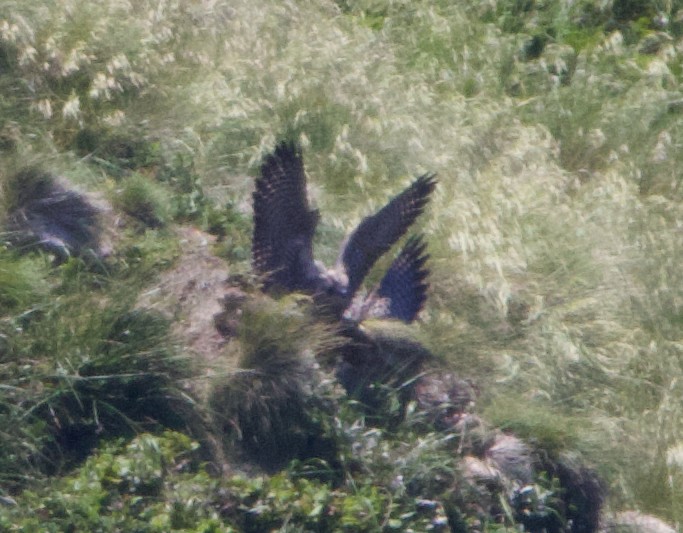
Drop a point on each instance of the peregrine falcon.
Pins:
(282, 247)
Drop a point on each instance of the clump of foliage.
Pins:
(233, 230)
(275, 405)
(22, 281)
(111, 371)
(190, 201)
(154, 484)
(119, 488)
(115, 150)
(144, 200)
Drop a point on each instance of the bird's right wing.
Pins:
(377, 233)
(282, 245)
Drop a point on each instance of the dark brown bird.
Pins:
(284, 225)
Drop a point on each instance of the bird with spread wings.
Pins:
(282, 247)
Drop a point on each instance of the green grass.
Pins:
(554, 232)
(22, 282)
(144, 200)
(274, 405)
(111, 371)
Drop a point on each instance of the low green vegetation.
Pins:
(153, 484)
(554, 235)
(144, 200)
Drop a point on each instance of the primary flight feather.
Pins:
(282, 247)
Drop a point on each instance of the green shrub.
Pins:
(144, 200)
(116, 150)
(275, 406)
(119, 488)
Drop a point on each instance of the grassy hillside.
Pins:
(555, 240)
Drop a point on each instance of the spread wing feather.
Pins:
(404, 285)
(377, 233)
(282, 244)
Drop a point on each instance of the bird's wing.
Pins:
(403, 289)
(282, 245)
(377, 233)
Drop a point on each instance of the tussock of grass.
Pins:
(275, 404)
(144, 200)
(276, 334)
(536, 423)
(110, 371)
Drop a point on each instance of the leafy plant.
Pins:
(144, 200)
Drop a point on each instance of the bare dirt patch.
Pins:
(189, 293)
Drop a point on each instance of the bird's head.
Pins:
(333, 291)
